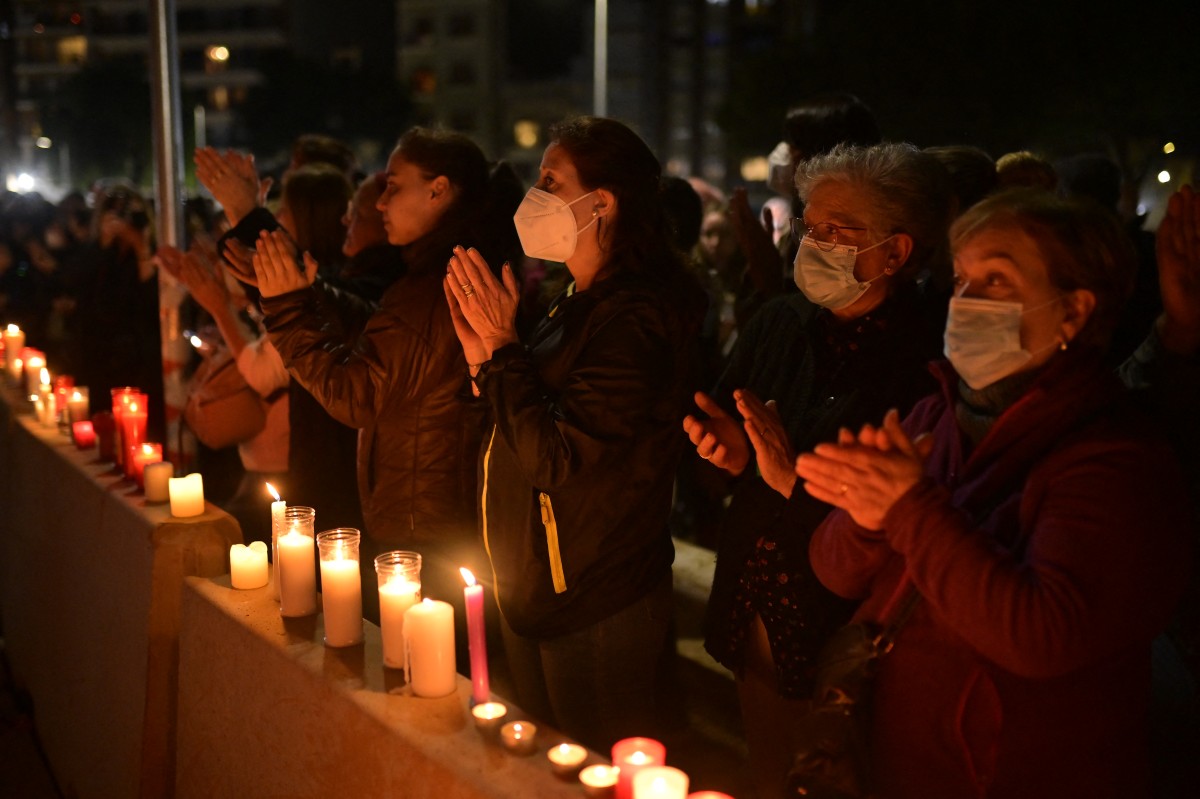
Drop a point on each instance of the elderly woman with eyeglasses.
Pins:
(852, 344)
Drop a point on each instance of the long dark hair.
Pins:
(608, 155)
(316, 196)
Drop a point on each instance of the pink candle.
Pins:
(133, 432)
(84, 435)
(476, 638)
(142, 455)
(631, 755)
(105, 429)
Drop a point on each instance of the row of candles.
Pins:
(119, 435)
(418, 634)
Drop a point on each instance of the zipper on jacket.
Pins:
(556, 567)
(487, 457)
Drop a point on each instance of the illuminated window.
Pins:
(525, 133)
(72, 50)
(218, 98)
(755, 168)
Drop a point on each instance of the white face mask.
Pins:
(826, 275)
(546, 225)
(983, 339)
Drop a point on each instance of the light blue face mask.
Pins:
(826, 274)
(983, 339)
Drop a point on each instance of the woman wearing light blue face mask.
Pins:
(1041, 521)
(578, 465)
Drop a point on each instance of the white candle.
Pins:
(34, 366)
(187, 495)
(278, 507)
(489, 716)
(598, 780)
(77, 405)
(14, 342)
(157, 478)
(341, 586)
(519, 737)
(248, 565)
(396, 596)
(297, 575)
(660, 782)
(429, 646)
(566, 758)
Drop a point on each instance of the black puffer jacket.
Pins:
(577, 473)
(400, 383)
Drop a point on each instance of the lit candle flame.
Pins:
(133, 407)
(45, 377)
(76, 396)
(13, 330)
(196, 341)
(274, 493)
(466, 574)
(147, 449)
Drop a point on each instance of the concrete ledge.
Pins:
(265, 709)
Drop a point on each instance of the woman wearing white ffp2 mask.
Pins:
(546, 225)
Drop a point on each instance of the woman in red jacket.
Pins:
(1040, 518)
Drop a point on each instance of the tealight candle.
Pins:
(157, 477)
(489, 716)
(631, 755)
(77, 404)
(187, 495)
(476, 637)
(519, 737)
(599, 780)
(566, 758)
(708, 795)
(341, 586)
(660, 782)
(83, 434)
(248, 565)
(429, 648)
(142, 457)
(399, 575)
(278, 508)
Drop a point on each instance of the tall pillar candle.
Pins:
(14, 342)
(476, 638)
(429, 648)
(341, 586)
(187, 495)
(157, 477)
(297, 567)
(631, 755)
(34, 363)
(399, 576)
(278, 507)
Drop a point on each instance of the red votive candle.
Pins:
(84, 434)
(133, 432)
(631, 755)
(105, 428)
(142, 455)
(121, 397)
(62, 392)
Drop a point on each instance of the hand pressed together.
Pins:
(276, 268)
(484, 309)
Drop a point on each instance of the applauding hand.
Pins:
(719, 438)
(275, 265)
(773, 451)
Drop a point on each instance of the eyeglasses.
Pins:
(825, 234)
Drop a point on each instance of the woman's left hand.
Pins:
(776, 461)
(488, 305)
(865, 476)
(275, 265)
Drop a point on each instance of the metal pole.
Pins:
(168, 173)
(600, 61)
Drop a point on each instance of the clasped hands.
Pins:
(484, 309)
(862, 474)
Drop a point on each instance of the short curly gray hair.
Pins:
(909, 192)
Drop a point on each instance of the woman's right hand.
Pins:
(206, 286)
(473, 348)
(719, 439)
(276, 267)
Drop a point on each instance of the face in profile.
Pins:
(363, 221)
(411, 204)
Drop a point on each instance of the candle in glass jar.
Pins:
(77, 404)
(341, 586)
(248, 565)
(83, 434)
(104, 427)
(63, 385)
(476, 637)
(297, 568)
(133, 434)
(631, 755)
(399, 575)
(660, 782)
(429, 646)
(187, 495)
(121, 399)
(157, 477)
(145, 455)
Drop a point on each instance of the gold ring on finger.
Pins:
(843, 489)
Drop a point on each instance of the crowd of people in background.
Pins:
(549, 382)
